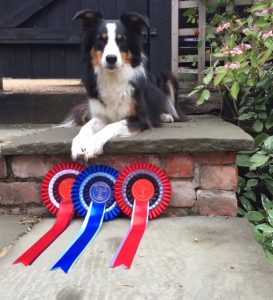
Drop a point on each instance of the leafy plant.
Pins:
(241, 69)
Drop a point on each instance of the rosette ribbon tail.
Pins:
(89, 229)
(128, 248)
(64, 217)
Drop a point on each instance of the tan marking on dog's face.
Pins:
(126, 57)
(96, 57)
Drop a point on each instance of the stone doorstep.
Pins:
(199, 134)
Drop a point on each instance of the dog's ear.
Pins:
(134, 21)
(90, 18)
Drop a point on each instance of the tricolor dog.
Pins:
(124, 98)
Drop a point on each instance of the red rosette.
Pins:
(57, 184)
(134, 172)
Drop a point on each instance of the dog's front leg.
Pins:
(99, 139)
(81, 142)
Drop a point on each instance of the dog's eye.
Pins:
(120, 37)
(103, 36)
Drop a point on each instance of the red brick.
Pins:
(3, 168)
(25, 166)
(121, 161)
(216, 158)
(183, 194)
(217, 203)
(179, 165)
(218, 177)
(17, 193)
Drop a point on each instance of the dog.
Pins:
(124, 98)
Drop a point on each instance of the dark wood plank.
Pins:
(40, 61)
(22, 12)
(57, 62)
(23, 61)
(7, 60)
(74, 67)
(160, 48)
(70, 9)
(38, 36)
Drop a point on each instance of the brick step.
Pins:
(198, 156)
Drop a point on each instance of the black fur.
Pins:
(150, 93)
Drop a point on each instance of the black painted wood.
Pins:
(23, 10)
(41, 40)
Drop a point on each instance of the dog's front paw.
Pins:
(94, 148)
(166, 118)
(78, 147)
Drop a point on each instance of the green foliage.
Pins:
(241, 68)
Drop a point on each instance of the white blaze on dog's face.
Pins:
(111, 58)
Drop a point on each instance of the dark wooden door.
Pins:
(39, 40)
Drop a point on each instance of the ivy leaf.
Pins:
(260, 138)
(265, 230)
(254, 216)
(246, 203)
(269, 255)
(258, 160)
(252, 182)
(258, 236)
(269, 185)
(204, 97)
(268, 143)
(258, 126)
(242, 160)
(235, 90)
(246, 116)
(267, 204)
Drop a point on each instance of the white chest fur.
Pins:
(116, 93)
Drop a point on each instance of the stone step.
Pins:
(41, 101)
(198, 156)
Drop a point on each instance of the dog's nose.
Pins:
(111, 59)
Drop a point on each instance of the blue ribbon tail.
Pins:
(89, 229)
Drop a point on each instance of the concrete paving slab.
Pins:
(11, 227)
(189, 258)
(201, 134)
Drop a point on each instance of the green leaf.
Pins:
(241, 212)
(258, 236)
(265, 230)
(246, 116)
(251, 175)
(267, 204)
(269, 121)
(258, 126)
(269, 185)
(235, 90)
(254, 216)
(269, 256)
(204, 97)
(242, 160)
(252, 182)
(219, 77)
(246, 203)
(207, 79)
(270, 213)
(268, 143)
(258, 160)
(260, 138)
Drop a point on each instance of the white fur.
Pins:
(88, 145)
(111, 47)
(116, 95)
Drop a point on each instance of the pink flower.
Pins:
(232, 66)
(245, 46)
(223, 27)
(236, 51)
(224, 50)
(267, 34)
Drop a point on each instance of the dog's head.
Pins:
(112, 44)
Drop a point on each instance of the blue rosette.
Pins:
(93, 198)
(95, 184)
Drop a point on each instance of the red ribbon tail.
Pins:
(64, 217)
(128, 248)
